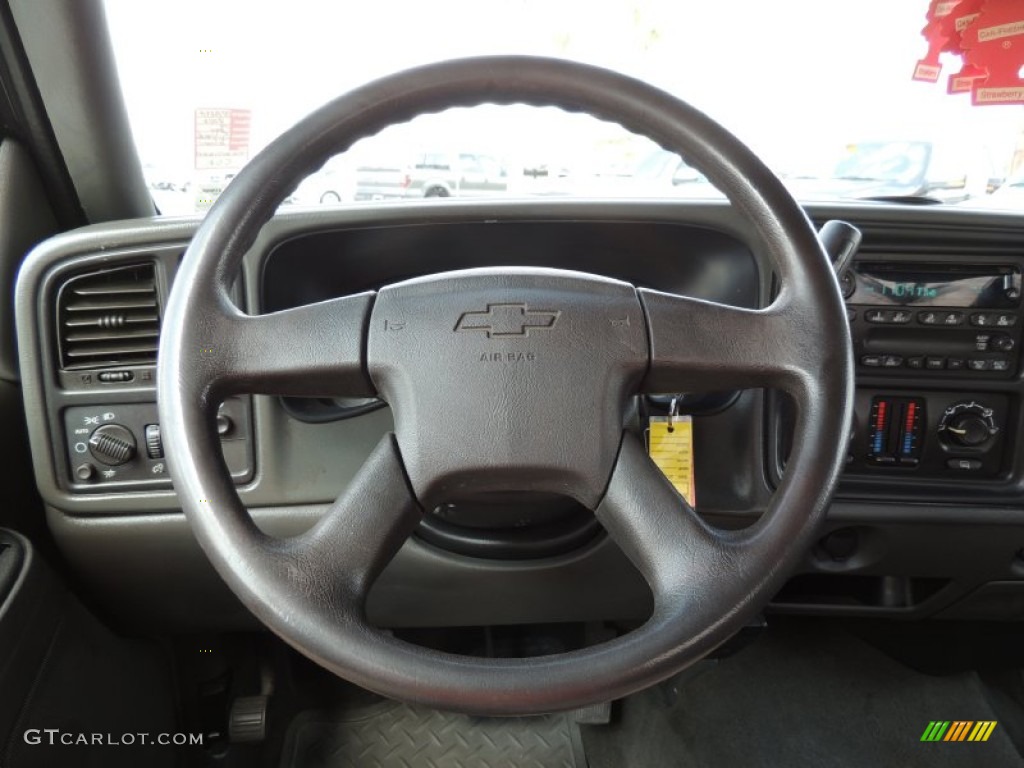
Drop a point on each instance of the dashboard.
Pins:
(928, 519)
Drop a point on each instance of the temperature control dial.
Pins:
(968, 425)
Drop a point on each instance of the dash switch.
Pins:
(154, 445)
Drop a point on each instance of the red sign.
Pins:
(989, 36)
(994, 42)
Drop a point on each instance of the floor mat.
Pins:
(800, 696)
(394, 735)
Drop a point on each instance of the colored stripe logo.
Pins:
(958, 730)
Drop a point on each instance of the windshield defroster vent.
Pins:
(109, 318)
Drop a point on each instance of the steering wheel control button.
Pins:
(112, 444)
(85, 472)
(154, 445)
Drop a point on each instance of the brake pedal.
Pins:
(247, 721)
(595, 714)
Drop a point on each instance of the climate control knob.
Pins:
(968, 430)
(968, 425)
(112, 444)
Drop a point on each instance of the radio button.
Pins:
(916, 362)
(878, 315)
(871, 361)
(955, 364)
(935, 363)
(953, 318)
(976, 364)
(892, 361)
(964, 465)
(899, 317)
(929, 318)
(1005, 320)
(1000, 365)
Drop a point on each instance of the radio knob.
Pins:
(1003, 343)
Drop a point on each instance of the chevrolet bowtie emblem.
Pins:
(500, 320)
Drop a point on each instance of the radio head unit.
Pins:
(948, 319)
(932, 285)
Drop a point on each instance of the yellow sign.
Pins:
(671, 448)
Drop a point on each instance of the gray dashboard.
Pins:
(900, 540)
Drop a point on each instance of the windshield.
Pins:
(821, 91)
(900, 162)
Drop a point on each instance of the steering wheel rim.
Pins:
(706, 582)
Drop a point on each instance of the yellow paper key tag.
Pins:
(671, 448)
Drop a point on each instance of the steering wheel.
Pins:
(487, 372)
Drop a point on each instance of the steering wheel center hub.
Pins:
(541, 361)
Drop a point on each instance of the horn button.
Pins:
(507, 379)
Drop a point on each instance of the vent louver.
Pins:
(109, 318)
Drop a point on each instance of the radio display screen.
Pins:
(887, 284)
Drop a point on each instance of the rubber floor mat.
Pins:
(395, 735)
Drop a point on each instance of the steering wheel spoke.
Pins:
(337, 561)
(701, 346)
(314, 350)
(678, 554)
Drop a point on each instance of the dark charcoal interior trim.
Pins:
(918, 536)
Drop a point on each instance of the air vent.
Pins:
(109, 318)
